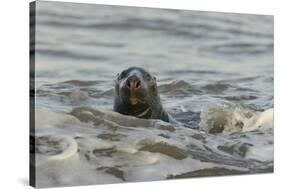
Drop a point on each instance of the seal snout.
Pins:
(133, 83)
(135, 86)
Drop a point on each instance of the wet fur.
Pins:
(151, 108)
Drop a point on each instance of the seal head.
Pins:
(136, 94)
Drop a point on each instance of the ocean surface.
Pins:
(214, 74)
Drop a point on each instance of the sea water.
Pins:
(214, 73)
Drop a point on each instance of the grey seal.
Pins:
(136, 94)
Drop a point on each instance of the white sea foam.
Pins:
(263, 120)
(227, 118)
(90, 146)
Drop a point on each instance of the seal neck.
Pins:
(143, 113)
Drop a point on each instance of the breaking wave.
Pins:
(107, 147)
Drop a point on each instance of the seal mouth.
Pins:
(135, 101)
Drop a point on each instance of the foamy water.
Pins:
(214, 73)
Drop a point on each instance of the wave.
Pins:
(216, 88)
(241, 97)
(70, 54)
(182, 87)
(178, 87)
(55, 147)
(177, 72)
(240, 48)
(107, 147)
(79, 83)
(228, 118)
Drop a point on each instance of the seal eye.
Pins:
(122, 75)
(147, 76)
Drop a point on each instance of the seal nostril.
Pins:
(137, 84)
(128, 84)
(133, 82)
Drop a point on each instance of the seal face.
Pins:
(136, 94)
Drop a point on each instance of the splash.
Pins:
(107, 147)
(229, 118)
